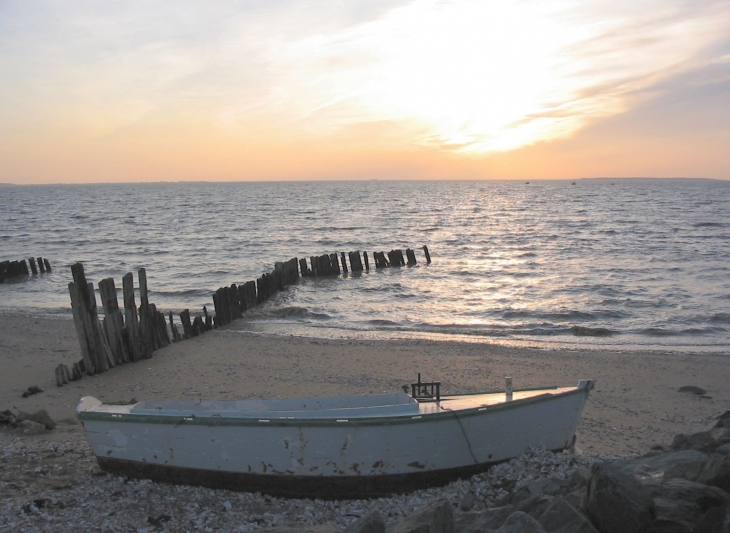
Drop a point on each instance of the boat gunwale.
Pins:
(270, 421)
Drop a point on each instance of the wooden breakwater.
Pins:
(118, 338)
(34, 265)
(232, 301)
(130, 336)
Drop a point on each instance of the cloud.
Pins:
(463, 78)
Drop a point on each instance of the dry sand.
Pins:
(51, 482)
(636, 402)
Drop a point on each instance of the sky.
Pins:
(120, 91)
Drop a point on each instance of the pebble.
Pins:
(80, 496)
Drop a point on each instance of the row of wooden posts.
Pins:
(9, 269)
(231, 302)
(118, 338)
(133, 335)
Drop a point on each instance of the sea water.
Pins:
(587, 263)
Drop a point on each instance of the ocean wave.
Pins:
(298, 313)
(723, 318)
(691, 332)
(710, 225)
(582, 331)
(381, 322)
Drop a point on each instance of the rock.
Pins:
(721, 421)
(720, 437)
(7, 417)
(437, 517)
(691, 389)
(686, 464)
(468, 501)
(549, 486)
(41, 417)
(562, 517)
(724, 449)
(480, 521)
(577, 499)
(520, 522)
(691, 442)
(370, 523)
(534, 506)
(672, 516)
(681, 503)
(297, 528)
(617, 502)
(715, 520)
(31, 428)
(716, 472)
(580, 478)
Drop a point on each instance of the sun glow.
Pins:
(355, 90)
(476, 77)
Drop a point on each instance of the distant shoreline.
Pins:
(515, 180)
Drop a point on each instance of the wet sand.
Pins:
(636, 402)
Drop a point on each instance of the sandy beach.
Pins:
(636, 402)
(52, 480)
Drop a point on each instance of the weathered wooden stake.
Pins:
(173, 328)
(33, 268)
(91, 338)
(410, 254)
(187, 327)
(367, 263)
(145, 320)
(113, 322)
(131, 319)
(428, 255)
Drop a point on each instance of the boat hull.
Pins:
(332, 458)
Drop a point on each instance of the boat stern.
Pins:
(87, 403)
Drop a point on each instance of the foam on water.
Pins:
(602, 263)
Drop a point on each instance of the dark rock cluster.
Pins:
(40, 418)
(682, 489)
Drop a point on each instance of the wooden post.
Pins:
(209, 319)
(249, 293)
(76, 371)
(428, 256)
(355, 261)
(187, 327)
(113, 323)
(66, 374)
(41, 265)
(84, 341)
(198, 326)
(33, 268)
(48, 265)
(411, 256)
(145, 326)
(107, 359)
(367, 263)
(82, 298)
(131, 321)
(235, 302)
(216, 307)
(303, 267)
(173, 328)
(344, 262)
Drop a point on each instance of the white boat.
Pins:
(335, 447)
